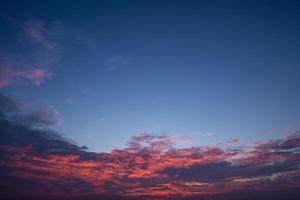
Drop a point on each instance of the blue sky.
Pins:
(119, 68)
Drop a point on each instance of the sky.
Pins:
(107, 77)
(119, 68)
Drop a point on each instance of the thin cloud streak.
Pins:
(115, 63)
(35, 30)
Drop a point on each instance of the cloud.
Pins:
(233, 142)
(40, 163)
(158, 143)
(68, 101)
(115, 63)
(47, 116)
(10, 75)
(49, 35)
(35, 30)
(41, 47)
(3, 83)
(13, 110)
(9, 104)
(207, 134)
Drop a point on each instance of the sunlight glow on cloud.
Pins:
(150, 167)
(149, 100)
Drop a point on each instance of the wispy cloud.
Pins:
(205, 134)
(42, 44)
(10, 76)
(233, 142)
(35, 29)
(116, 62)
(68, 100)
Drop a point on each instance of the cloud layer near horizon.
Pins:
(39, 163)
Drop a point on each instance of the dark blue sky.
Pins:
(186, 68)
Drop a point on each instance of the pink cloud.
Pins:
(234, 142)
(3, 83)
(183, 140)
(208, 133)
(291, 131)
(9, 75)
(40, 32)
(35, 30)
(36, 76)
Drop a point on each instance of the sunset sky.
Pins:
(94, 94)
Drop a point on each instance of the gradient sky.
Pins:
(150, 100)
(209, 71)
